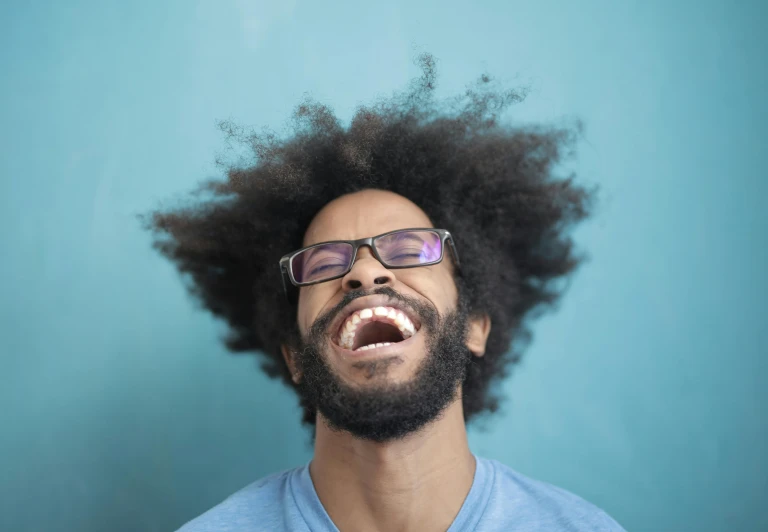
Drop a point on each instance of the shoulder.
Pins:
(262, 505)
(533, 502)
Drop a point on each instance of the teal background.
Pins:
(645, 393)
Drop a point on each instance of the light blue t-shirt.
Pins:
(500, 499)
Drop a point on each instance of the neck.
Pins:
(416, 483)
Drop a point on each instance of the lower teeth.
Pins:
(373, 346)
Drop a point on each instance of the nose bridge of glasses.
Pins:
(371, 271)
(364, 251)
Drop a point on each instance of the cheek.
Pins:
(435, 284)
(449, 295)
(304, 313)
(312, 300)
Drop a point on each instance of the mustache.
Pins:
(427, 313)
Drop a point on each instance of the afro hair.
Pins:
(492, 184)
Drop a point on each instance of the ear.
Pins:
(290, 361)
(477, 336)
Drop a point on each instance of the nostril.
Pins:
(381, 280)
(354, 285)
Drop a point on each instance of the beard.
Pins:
(387, 411)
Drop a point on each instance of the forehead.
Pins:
(363, 214)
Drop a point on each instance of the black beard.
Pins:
(387, 411)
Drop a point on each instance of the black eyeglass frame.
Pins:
(445, 236)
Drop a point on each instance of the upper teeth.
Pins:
(387, 314)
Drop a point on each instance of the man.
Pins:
(384, 272)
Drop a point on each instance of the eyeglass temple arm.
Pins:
(283, 277)
(454, 251)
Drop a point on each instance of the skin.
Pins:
(417, 483)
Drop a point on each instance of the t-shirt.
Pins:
(500, 499)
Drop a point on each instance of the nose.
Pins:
(366, 272)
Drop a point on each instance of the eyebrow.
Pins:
(409, 236)
(317, 247)
(312, 252)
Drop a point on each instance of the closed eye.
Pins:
(324, 268)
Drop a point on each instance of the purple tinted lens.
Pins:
(321, 262)
(410, 248)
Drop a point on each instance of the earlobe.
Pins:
(291, 363)
(477, 336)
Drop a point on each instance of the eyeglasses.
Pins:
(405, 248)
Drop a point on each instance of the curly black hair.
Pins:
(493, 185)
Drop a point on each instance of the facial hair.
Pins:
(388, 411)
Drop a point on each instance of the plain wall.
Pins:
(644, 393)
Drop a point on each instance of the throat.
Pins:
(377, 332)
(393, 491)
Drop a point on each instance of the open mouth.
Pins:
(370, 328)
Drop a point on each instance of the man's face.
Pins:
(363, 214)
(387, 392)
